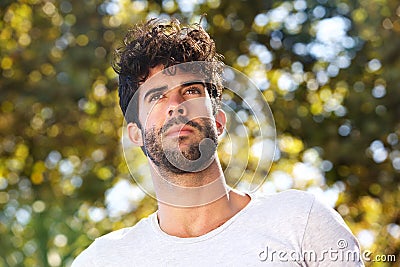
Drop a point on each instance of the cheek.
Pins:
(200, 107)
(151, 117)
(152, 121)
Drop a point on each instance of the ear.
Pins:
(220, 120)
(135, 134)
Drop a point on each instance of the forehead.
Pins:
(170, 78)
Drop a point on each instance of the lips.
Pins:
(179, 130)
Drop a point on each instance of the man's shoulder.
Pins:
(128, 240)
(297, 209)
(286, 211)
(290, 194)
(293, 200)
(132, 232)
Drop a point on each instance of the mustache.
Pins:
(180, 120)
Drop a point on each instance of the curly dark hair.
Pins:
(160, 42)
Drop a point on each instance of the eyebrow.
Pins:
(162, 89)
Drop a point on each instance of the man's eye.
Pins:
(155, 97)
(193, 91)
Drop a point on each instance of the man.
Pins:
(170, 92)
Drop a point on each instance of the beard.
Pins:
(168, 155)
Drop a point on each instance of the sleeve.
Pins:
(86, 258)
(327, 240)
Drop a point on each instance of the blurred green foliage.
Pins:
(334, 92)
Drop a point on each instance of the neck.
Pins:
(196, 205)
(190, 189)
(197, 221)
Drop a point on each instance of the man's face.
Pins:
(178, 127)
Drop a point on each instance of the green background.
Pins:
(338, 117)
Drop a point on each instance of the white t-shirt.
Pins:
(291, 228)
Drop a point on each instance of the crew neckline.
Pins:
(160, 233)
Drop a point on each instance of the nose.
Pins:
(177, 106)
